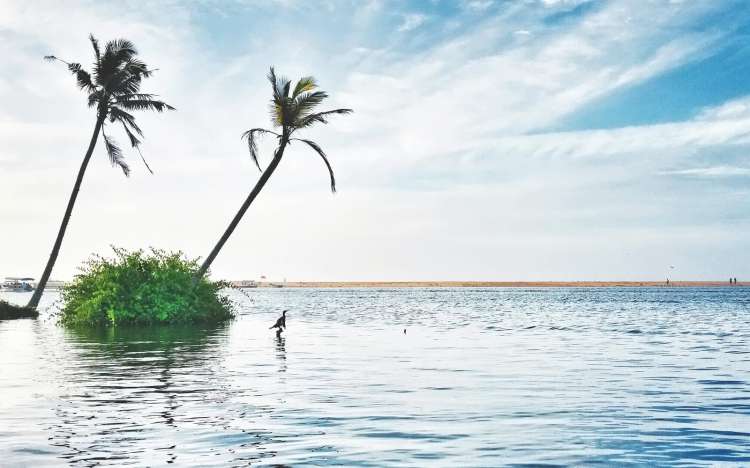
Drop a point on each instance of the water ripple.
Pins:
(482, 377)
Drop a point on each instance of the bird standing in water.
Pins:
(280, 324)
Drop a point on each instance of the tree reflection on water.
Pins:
(130, 388)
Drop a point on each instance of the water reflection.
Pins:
(127, 389)
(281, 352)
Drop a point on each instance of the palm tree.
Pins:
(292, 109)
(114, 90)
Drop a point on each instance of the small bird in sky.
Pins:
(280, 324)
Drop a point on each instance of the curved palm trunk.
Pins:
(68, 211)
(250, 198)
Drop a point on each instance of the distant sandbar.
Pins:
(493, 284)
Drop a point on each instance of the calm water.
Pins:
(482, 377)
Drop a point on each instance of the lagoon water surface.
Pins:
(482, 377)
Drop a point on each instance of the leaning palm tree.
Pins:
(292, 109)
(114, 90)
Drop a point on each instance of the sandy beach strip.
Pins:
(496, 284)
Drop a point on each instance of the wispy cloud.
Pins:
(479, 5)
(733, 109)
(714, 171)
(450, 145)
(412, 21)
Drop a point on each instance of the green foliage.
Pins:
(137, 287)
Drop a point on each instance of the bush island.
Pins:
(137, 287)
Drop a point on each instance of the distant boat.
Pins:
(14, 284)
(276, 285)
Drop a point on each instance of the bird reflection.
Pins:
(281, 352)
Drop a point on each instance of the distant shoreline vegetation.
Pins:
(142, 288)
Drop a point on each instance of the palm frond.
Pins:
(134, 141)
(275, 86)
(322, 154)
(279, 107)
(115, 154)
(137, 67)
(321, 117)
(276, 111)
(303, 104)
(281, 85)
(126, 97)
(119, 115)
(143, 103)
(252, 144)
(138, 148)
(116, 55)
(131, 128)
(96, 97)
(127, 76)
(121, 48)
(122, 82)
(304, 85)
(95, 45)
(83, 78)
(272, 79)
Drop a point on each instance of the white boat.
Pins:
(14, 284)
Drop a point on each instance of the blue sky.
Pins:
(519, 140)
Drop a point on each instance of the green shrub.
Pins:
(137, 287)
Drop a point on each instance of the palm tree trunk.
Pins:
(250, 198)
(68, 211)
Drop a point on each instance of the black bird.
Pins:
(280, 323)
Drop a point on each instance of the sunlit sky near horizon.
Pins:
(491, 140)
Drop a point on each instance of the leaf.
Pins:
(280, 102)
(117, 114)
(115, 154)
(305, 84)
(144, 104)
(252, 145)
(138, 148)
(134, 141)
(95, 46)
(304, 104)
(322, 154)
(321, 117)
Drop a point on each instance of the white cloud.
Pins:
(454, 96)
(734, 109)
(714, 171)
(446, 169)
(412, 21)
(567, 3)
(479, 5)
